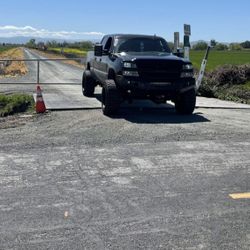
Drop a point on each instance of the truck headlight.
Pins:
(187, 67)
(129, 65)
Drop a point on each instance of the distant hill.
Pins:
(23, 40)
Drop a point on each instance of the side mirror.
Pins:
(98, 50)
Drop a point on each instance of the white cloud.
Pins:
(28, 31)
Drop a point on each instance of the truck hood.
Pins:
(132, 56)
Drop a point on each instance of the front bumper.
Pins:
(174, 86)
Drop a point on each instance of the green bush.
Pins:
(228, 83)
(246, 45)
(235, 46)
(16, 103)
(200, 46)
(207, 88)
(221, 46)
(230, 74)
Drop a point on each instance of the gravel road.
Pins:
(146, 179)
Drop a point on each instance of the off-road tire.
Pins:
(111, 98)
(88, 84)
(185, 103)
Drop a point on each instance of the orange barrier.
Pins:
(40, 105)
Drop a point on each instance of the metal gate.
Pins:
(7, 62)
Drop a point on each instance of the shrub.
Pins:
(230, 74)
(227, 83)
(200, 46)
(235, 46)
(207, 88)
(246, 45)
(11, 104)
(221, 46)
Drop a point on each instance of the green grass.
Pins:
(16, 103)
(218, 58)
(5, 48)
(77, 52)
(247, 86)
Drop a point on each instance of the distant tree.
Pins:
(85, 45)
(221, 46)
(235, 46)
(200, 46)
(48, 43)
(65, 44)
(41, 46)
(171, 45)
(246, 45)
(31, 43)
(55, 44)
(213, 43)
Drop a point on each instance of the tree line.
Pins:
(88, 45)
(84, 45)
(202, 45)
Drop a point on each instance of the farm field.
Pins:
(218, 58)
(76, 52)
(4, 48)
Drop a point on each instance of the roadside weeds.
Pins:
(13, 69)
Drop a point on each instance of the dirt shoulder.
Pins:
(12, 69)
(17, 120)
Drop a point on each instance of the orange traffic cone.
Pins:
(40, 105)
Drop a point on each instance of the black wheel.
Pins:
(88, 84)
(185, 104)
(111, 98)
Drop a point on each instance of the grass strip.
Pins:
(15, 103)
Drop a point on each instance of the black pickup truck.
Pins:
(131, 67)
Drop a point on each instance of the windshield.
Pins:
(141, 45)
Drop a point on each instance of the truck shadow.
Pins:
(153, 114)
(157, 116)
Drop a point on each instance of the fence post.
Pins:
(38, 72)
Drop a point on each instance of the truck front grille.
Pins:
(159, 70)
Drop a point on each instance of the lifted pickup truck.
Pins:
(131, 67)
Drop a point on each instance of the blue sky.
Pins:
(223, 20)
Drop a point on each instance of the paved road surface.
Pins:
(144, 180)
